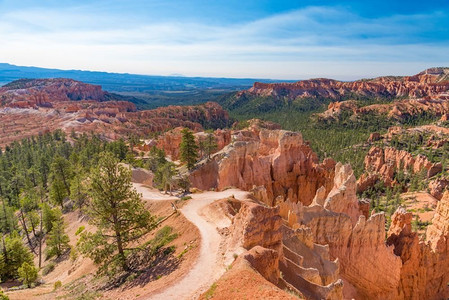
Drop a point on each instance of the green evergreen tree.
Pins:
(210, 144)
(61, 172)
(57, 241)
(58, 192)
(14, 254)
(164, 176)
(78, 189)
(156, 158)
(188, 148)
(28, 273)
(49, 216)
(118, 213)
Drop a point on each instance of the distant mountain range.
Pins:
(146, 91)
(119, 82)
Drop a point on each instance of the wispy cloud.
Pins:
(312, 41)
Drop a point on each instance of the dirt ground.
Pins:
(422, 205)
(200, 258)
(241, 281)
(77, 276)
(213, 257)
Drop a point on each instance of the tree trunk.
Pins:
(6, 216)
(118, 237)
(64, 180)
(41, 235)
(33, 229)
(5, 252)
(24, 225)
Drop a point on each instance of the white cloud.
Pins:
(315, 41)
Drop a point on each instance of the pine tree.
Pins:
(27, 273)
(118, 213)
(61, 173)
(14, 254)
(156, 158)
(58, 192)
(49, 215)
(164, 176)
(57, 241)
(189, 148)
(210, 144)
(78, 189)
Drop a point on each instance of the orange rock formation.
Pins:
(383, 163)
(328, 246)
(31, 107)
(432, 83)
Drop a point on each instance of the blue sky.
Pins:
(262, 39)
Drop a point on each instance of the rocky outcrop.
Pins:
(438, 231)
(375, 136)
(383, 163)
(257, 225)
(437, 187)
(423, 274)
(265, 261)
(253, 275)
(431, 85)
(357, 242)
(307, 266)
(277, 160)
(170, 141)
(27, 93)
(398, 110)
(329, 246)
(274, 248)
(36, 106)
(209, 115)
(143, 176)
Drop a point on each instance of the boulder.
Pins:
(143, 176)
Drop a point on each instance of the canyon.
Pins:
(324, 236)
(267, 215)
(32, 107)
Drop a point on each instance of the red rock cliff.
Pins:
(430, 83)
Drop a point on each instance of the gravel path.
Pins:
(209, 266)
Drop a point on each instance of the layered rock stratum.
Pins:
(31, 107)
(328, 245)
(431, 84)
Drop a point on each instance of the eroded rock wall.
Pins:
(328, 236)
(278, 160)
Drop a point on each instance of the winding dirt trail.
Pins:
(152, 194)
(209, 266)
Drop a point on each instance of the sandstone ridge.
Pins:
(36, 106)
(431, 83)
(328, 245)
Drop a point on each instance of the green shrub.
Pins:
(57, 285)
(210, 292)
(48, 268)
(3, 296)
(79, 230)
(73, 253)
(28, 274)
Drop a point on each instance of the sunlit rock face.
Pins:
(329, 246)
(432, 83)
(36, 106)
